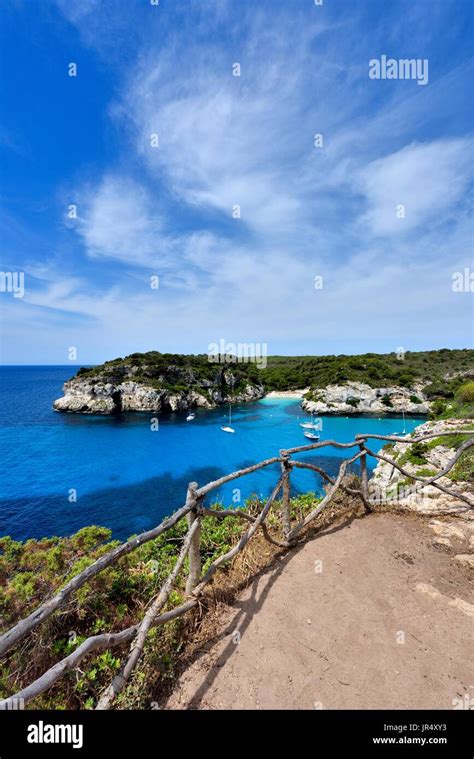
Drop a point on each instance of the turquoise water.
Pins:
(127, 477)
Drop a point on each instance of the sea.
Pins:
(61, 472)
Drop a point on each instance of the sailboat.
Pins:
(311, 435)
(310, 425)
(190, 417)
(228, 428)
(404, 431)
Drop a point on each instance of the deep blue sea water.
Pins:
(127, 477)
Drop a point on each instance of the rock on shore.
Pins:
(358, 398)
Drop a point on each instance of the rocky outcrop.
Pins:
(99, 396)
(357, 398)
(388, 482)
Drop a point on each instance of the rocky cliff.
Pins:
(115, 389)
(425, 460)
(358, 398)
(452, 519)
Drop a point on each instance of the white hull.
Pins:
(227, 429)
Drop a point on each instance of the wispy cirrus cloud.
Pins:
(120, 220)
(248, 141)
(417, 185)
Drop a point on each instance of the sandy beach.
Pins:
(287, 393)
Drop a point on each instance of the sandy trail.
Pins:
(385, 621)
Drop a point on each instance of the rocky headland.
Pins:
(121, 387)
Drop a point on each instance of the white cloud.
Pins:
(228, 140)
(121, 221)
(428, 180)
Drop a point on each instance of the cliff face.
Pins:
(433, 457)
(358, 398)
(104, 394)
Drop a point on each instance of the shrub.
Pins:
(465, 393)
(438, 407)
(354, 402)
(415, 454)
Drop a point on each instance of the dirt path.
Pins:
(385, 621)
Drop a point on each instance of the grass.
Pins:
(448, 441)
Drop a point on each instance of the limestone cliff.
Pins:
(358, 398)
(123, 387)
(425, 460)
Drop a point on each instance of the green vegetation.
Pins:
(426, 472)
(415, 454)
(175, 373)
(353, 402)
(32, 571)
(461, 406)
(441, 370)
(465, 393)
(389, 450)
(449, 441)
(463, 470)
(405, 482)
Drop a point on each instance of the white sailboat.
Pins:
(404, 431)
(190, 417)
(310, 425)
(228, 427)
(311, 436)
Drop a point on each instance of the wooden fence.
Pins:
(193, 511)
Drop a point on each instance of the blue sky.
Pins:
(167, 211)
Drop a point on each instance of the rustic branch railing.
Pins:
(194, 511)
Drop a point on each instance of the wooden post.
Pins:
(364, 480)
(194, 547)
(285, 499)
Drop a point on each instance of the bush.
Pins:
(415, 399)
(354, 402)
(438, 407)
(426, 472)
(415, 454)
(465, 393)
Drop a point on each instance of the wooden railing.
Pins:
(193, 511)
